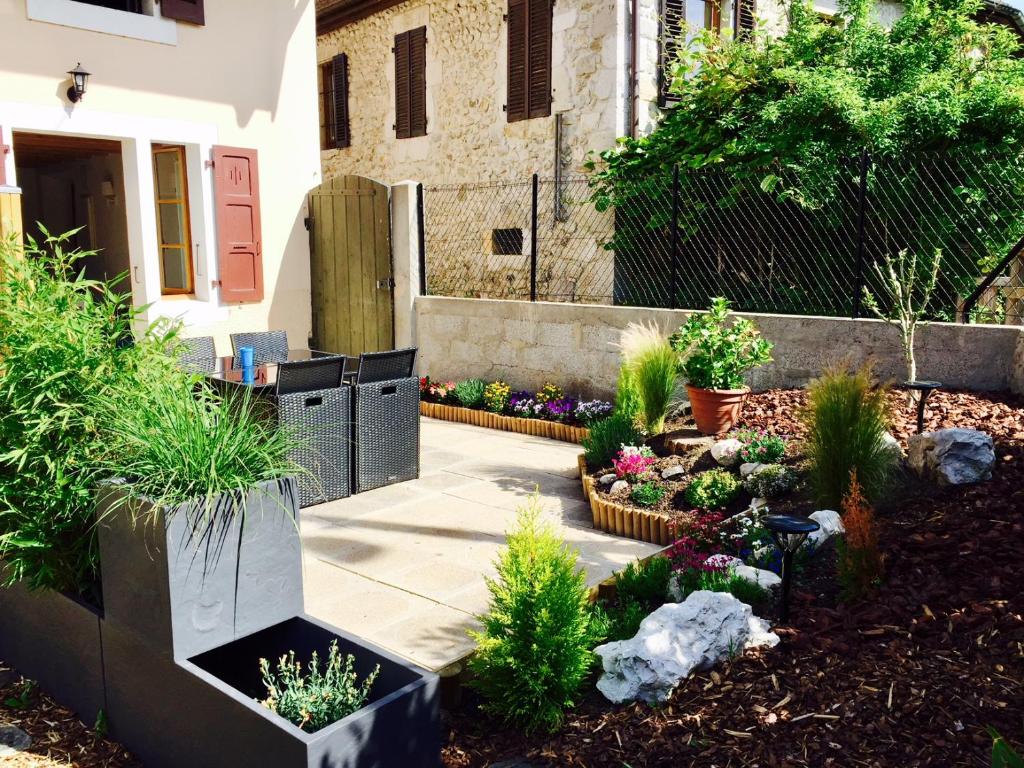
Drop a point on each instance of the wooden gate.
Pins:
(350, 266)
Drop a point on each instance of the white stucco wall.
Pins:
(244, 79)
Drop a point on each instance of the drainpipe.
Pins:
(632, 92)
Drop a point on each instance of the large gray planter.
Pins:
(55, 640)
(192, 578)
(204, 712)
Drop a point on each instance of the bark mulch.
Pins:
(911, 677)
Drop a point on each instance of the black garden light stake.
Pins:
(924, 388)
(788, 532)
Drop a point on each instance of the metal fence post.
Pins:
(862, 197)
(533, 239)
(421, 237)
(673, 297)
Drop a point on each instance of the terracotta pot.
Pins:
(716, 410)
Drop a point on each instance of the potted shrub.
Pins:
(714, 355)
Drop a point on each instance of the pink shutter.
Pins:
(236, 190)
(183, 10)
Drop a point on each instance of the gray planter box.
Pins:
(184, 584)
(204, 712)
(55, 640)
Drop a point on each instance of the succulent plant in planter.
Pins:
(714, 355)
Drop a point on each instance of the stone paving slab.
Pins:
(404, 566)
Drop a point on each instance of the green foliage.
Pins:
(549, 392)
(651, 364)
(620, 620)
(698, 579)
(627, 395)
(470, 393)
(319, 698)
(175, 439)
(534, 650)
(846, 418)
(715, 354)
(496, 396)
(770, 482)
(647, 494)
(61, 352)
(713, 489)
(760, 447)
(1003, 755)
(607, 437)
(24, 693)
(645, 582)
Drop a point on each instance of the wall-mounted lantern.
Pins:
(79, 79)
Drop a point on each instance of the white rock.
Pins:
(750, 468)
(831, 525)
(727, 452)
(671, 473)
(760, 576)
(618, 485)
(757, 504)
(607, 479)
(675, 640)
(952, 456)
(892, 445)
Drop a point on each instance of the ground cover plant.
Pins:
(322, 695)
(713, 489)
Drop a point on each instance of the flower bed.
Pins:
(548, 413)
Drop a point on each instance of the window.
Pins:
(169, 179)
(335, 132)
(507, 242)
(132, 6)
(411, 83)
(529, 59)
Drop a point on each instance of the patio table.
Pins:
(228, 369)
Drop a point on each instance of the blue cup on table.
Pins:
(247, 358)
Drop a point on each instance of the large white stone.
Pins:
(750, 468)
(672, 473)
(891, 445)
(952, 456)
(675, 640)
(727, 452)
(831, 523)
(619, 485)
(760, 576)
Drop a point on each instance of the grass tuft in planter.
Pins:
(320, 698)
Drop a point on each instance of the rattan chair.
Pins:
(387, 432)
(312, 404)
(199, 349)
(386, 366)
(268, 346)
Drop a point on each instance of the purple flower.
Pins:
(589, 411)
(562, 409)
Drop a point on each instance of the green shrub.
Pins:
(652, 365)
(470, 393)
(698, 579)
(770, 482)
(620, 620)
(716, 355)
(644, 582)
(846, 419)
(320, 698)
(535, 647)
(61, 347)
(627, 395)
(713, 489)
(760, 447)
(647, 494)
(496, 396)
(607, 437)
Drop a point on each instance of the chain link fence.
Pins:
(795, 243)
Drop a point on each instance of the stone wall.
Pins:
(528, 344)
(468, 137)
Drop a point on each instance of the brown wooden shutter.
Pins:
(539, 57)
(4, 149)
(673, 27)
(516, 108)
(746, 17)
(411, 83)
(236, 191)
(183, 10)
(327, 137)
(339, 78)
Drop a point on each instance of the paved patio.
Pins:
(404, 566)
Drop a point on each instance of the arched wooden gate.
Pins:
(350, 266)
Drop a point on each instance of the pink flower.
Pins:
(634, 464)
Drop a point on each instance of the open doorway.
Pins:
(69, 182)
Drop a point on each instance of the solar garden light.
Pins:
(788, 532)
(923, 388)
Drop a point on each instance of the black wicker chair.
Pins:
(312, 403)
(386, 366)
(268, 346)
(387, 432)
(199, 349)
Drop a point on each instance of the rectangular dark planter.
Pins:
(55, 640)
(204, 712)
(190, 580)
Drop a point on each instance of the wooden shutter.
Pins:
(516, 108)
(183, 10)
(411, 83)
(339, 91)
(236, 191)
(4, 149)
(673, 28)
(539, 56)
(746, 17)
